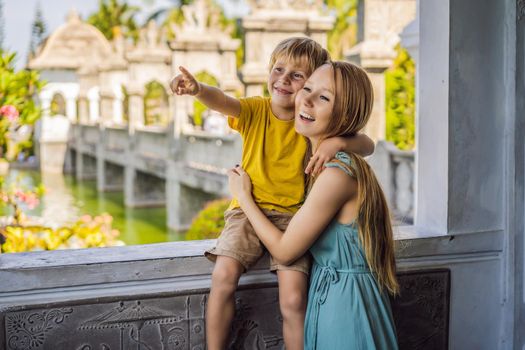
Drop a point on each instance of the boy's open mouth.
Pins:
(306, 116)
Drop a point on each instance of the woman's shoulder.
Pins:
(343, 161)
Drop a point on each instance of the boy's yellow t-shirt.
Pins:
(272, 155)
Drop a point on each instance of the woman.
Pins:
(344, 221)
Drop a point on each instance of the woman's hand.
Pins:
(240, 184)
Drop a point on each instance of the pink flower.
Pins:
(10, 112)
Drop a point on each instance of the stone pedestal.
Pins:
(53, 143)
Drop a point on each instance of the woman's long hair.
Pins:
(352, 108)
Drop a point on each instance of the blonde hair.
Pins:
(300, 48)
(352, 108)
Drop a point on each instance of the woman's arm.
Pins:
(330, 192)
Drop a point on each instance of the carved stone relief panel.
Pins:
(421, 311)
(170, 323)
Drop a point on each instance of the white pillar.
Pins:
(94, 104)
(117, 117)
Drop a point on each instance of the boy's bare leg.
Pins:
(292, 300)
(221, 303)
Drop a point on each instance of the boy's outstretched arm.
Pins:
(214, 98)
(359, 144)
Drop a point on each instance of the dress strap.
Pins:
(342, 161)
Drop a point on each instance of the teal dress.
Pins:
(346, 309)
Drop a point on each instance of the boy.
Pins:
(273, 156)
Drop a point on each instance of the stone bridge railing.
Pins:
(154, 166)
(394, 169)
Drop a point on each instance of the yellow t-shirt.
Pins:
(272, 155)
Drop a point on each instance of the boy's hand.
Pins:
(240, 184)
(326, 151)
(185, 83)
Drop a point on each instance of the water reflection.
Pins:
(67, 199)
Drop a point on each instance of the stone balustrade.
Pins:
(394, 169)
(154, 296)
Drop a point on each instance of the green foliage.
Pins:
(113, 18)
(16, 195)
(209, 222)
(17, 89)
(400, 101)
(199, 107)
(344, 34)
(155, 104)
(87, 232)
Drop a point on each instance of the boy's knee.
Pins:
(293, 302)
(226, 275)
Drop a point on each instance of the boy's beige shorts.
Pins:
(239, 241)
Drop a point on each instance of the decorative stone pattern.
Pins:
(421, 311)
(177, 322)
(520, 9)
(28, 330)
(171, 323)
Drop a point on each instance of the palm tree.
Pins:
(113, 15)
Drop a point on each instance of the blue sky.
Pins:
(19, 14)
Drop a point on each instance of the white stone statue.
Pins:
(195, 16)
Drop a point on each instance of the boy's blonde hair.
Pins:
(300, 48)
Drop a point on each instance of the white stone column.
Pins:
(136, 109)
(94, 104)
(45, 97)
(70, 92)
(117, 105)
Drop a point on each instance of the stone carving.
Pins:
(201, 16)
(136, 317)
(195, 16)
(27, 330)
(169, 322)
(89, 347)
(520, 9)
(421, 310)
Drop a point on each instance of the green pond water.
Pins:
(66, 199)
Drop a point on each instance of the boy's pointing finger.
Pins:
(185, 72)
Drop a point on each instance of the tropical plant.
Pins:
(155, 104)
(87, 232)
(16, 195)
(209, 222)
(199, 107)
(114, 17)
(19, 111)
(38, 31)
(400, 101)
(344, 33)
